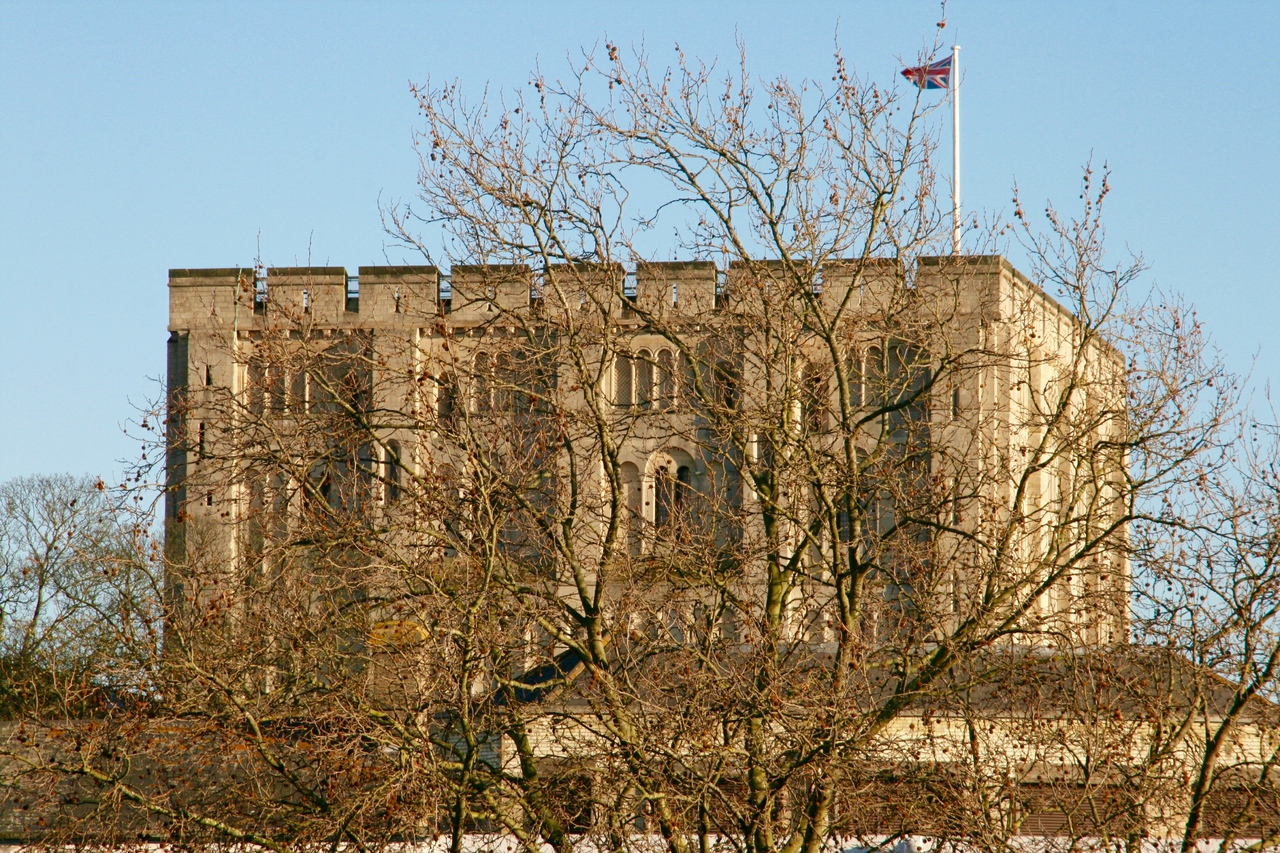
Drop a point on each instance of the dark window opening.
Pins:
(275, 388)
(898, 379)
(394, 472)
(446, 400)
(298, 392)
(670, 495)
(728, 383)
(814, 398)
(366, 477)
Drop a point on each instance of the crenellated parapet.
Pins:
(248, 300)
(472, 295)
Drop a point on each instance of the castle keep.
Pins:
(672, 401)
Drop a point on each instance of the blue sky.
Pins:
(139, 137)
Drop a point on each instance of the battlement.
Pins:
(382, 296)
(248, 298)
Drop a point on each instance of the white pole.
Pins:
(955, 150)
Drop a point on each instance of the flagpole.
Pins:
(955, 149)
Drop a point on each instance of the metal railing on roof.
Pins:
(353, 293)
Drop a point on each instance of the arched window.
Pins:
(278, 489)
(298, 392)
(670, 494)
(728, 381)
(907, 379)
(275, 387)
(504, 382)
(446, 400)
(814, 398)
(873, 379)
(666, 380)
(318, 498)
(644, 379)
(663, 498)
(443, 509)
(520, 381)
(857, 379)
(622, 385)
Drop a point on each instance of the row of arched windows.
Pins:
(646, 379)
(896, 375)
(497, 385)
(892, 375)
(662, 499)
(372, 475)
(506, 382)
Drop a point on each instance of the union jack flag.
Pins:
(935, 75)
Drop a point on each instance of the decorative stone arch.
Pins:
(668, 487)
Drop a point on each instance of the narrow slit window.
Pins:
(395, 472)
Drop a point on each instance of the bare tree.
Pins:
(77, 594)
(815, 535)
